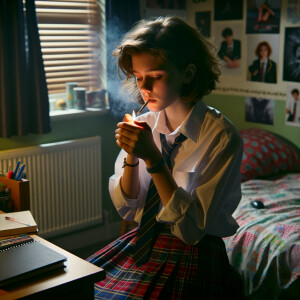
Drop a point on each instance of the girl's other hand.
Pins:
(135, 137)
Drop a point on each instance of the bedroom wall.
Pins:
(234, 106)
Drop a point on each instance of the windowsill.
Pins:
(68, 114)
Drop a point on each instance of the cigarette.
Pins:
(142, 108)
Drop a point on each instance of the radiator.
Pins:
(64, 181)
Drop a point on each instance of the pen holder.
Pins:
(19, 193)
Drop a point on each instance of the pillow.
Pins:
(266, 154)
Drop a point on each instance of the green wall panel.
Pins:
(234, 108)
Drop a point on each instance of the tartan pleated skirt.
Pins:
(175, 270)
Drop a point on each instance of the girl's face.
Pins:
(157, 82)
(264, 52)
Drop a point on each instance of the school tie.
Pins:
(262, 70)
(149, 227)
(294, 111)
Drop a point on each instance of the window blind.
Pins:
(72, 34)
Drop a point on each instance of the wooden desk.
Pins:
(76, 281)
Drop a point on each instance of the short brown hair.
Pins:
(227, 32)
(264, 43)
(171, 40)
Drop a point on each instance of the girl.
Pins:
(263, 69)
(182, 194)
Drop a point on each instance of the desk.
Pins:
(76, 281)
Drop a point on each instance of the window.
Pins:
(72, 34)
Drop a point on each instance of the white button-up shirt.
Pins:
(206, 168)
(290, 107)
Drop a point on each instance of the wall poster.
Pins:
(257, 42)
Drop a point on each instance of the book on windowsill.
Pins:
(17, 223)
(22, 257)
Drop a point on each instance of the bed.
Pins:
(266, 248)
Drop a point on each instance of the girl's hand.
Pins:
(136, 138)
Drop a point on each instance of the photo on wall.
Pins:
(262, 58)
(291, 62)
(203, 22)
(228, 10)
(259, 110)
(156, 8)
(292, 109)
(263, 16)
(229, 47)
(293, 12)
(166, 4)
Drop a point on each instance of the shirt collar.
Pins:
(191, 125)
(160, 124)
(264, 61)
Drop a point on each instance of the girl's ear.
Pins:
(189, 73)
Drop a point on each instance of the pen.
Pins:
(16, 170)
(14, 220)
(18, 177)
(142, 108)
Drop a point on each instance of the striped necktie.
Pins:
(149, 227)
(294, 111)
(262, 71)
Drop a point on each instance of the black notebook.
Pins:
(22, 257)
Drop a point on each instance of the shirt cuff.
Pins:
(176, 207)
(123, 200)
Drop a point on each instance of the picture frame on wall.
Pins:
(259, 110)
(293, 12)
(291, 62)
(228, 10)
(228, 42)
(292, 107)
(203, 22)
(262, 58)
(156, 8)
(263, 16)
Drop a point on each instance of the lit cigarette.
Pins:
(142, 108)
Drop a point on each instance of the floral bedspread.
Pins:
(266, 247)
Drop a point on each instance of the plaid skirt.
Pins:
(175, 270)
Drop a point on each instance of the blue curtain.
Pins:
(120, 17)
(24, 103)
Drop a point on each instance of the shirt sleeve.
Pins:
(129, 209)
(126, 207)
(208, 208)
